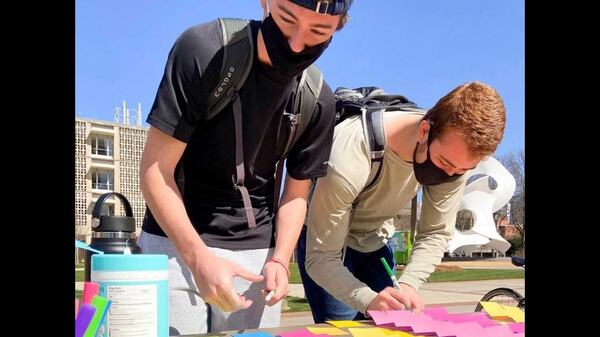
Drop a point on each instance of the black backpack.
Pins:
(371, 103)
(238, 54)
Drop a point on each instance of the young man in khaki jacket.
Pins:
(342, 273)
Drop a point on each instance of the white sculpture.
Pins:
(483, 201)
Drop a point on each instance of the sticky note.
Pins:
(298, 333)
(76, 307)
(253, 334)
(327, 331)
(377, 332)
(90, 289)
(438, 313)
(478, 317)
(497, 310)
(86, 313)
(345, 324)
(515, 313)
(494, 309)
(517, 327)
(497, 331)
(101, 304)
(380, 317)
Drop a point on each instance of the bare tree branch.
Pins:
(515, 164)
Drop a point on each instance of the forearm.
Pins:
(290, 219)
(427, 252)
(159, 159)
(328, 271)
(165, 203)
(436, 226)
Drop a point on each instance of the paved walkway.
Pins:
(455, 296)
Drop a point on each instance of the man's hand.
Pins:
(213, 278)
(394, 299)
(276, 278)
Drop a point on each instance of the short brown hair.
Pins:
(344, 18)
(477, 110)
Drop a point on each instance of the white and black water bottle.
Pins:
(112, 234)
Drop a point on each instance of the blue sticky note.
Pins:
(253, 334)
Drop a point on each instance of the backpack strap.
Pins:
(303, 105)
(374, 133)
(240, 171)
(238, 55)
(376, 142)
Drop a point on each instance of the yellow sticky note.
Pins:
(515, 313)
(364, 332)
(494, 309)
(400, 334)
(345, 324)
(327, 331)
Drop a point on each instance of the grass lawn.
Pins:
(79, 275)
(294, 274)
(445, 276)
(475, 275)
(296, 304)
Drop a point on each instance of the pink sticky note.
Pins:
(380, 317)
(519, 334)
(497, 331)
(423, 324)
(299, 333)
(438, 313)
(403, 318)
(90, 289)
(445, 329)
(76, 307)
(468, 329)
(517, 327)
(479, 317)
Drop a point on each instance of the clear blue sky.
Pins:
(421, 49)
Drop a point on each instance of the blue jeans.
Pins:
(364, 266)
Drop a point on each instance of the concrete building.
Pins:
(107, 158)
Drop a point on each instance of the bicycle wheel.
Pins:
(504, 296)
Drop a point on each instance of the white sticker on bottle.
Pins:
(133, 312)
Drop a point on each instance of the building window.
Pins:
(102, 146)
(102, 180)
(108, 209)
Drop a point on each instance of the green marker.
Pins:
(391, 273)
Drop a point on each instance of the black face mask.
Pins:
(427, 173)
(283, 58)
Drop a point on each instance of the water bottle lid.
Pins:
(112, 223)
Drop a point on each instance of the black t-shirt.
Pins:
(213, 204)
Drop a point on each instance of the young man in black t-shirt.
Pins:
(206, 231)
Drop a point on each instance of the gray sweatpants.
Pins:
(189, 314)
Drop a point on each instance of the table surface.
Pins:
(275, 331)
